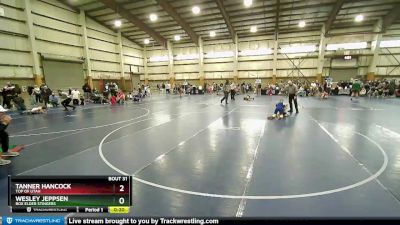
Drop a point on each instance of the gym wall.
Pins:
(57, 31)
(253, 67)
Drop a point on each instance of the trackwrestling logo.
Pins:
(52, 220)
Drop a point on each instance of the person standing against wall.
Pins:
(8, 93)
(226, 90)
(292, 90)
(36, 93)
(86, 91)
(45, 94)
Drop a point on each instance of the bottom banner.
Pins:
(57, 220)
(33, 220)
(211, 221)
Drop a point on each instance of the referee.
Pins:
(292, 90)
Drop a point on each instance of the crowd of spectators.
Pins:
(43, 95)
(377, 88)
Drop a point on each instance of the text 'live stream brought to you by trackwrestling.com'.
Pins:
(57, 220)
(123, 220)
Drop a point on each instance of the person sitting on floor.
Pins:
(5, 120)
(137, 97)
(302, 92)
(53, 100)
(280, 111)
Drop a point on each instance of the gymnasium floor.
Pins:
(195, 157)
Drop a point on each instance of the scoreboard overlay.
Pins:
(91, 194)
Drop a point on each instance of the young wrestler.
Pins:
(279, 112)
(248, 98)
(38, 110)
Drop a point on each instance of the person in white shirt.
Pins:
(233, 91)
(148, 92)
(36, 93)
(75, 97)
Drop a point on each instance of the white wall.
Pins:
(57, 31)
(186, 69)
(15, 57)
(250, 67)
(388, 61)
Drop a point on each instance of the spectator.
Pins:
(19, 104)
(36, 93)
(226, 89)
(168, 88)
(30, 93)
(8, 93)
(86, 91)
(53, 100)
(392, 88)
(233, 91)
(75, 97)
(45, 94)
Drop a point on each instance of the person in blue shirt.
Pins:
(279, 110)
(53, 100)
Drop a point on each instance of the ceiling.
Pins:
(270, 16)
